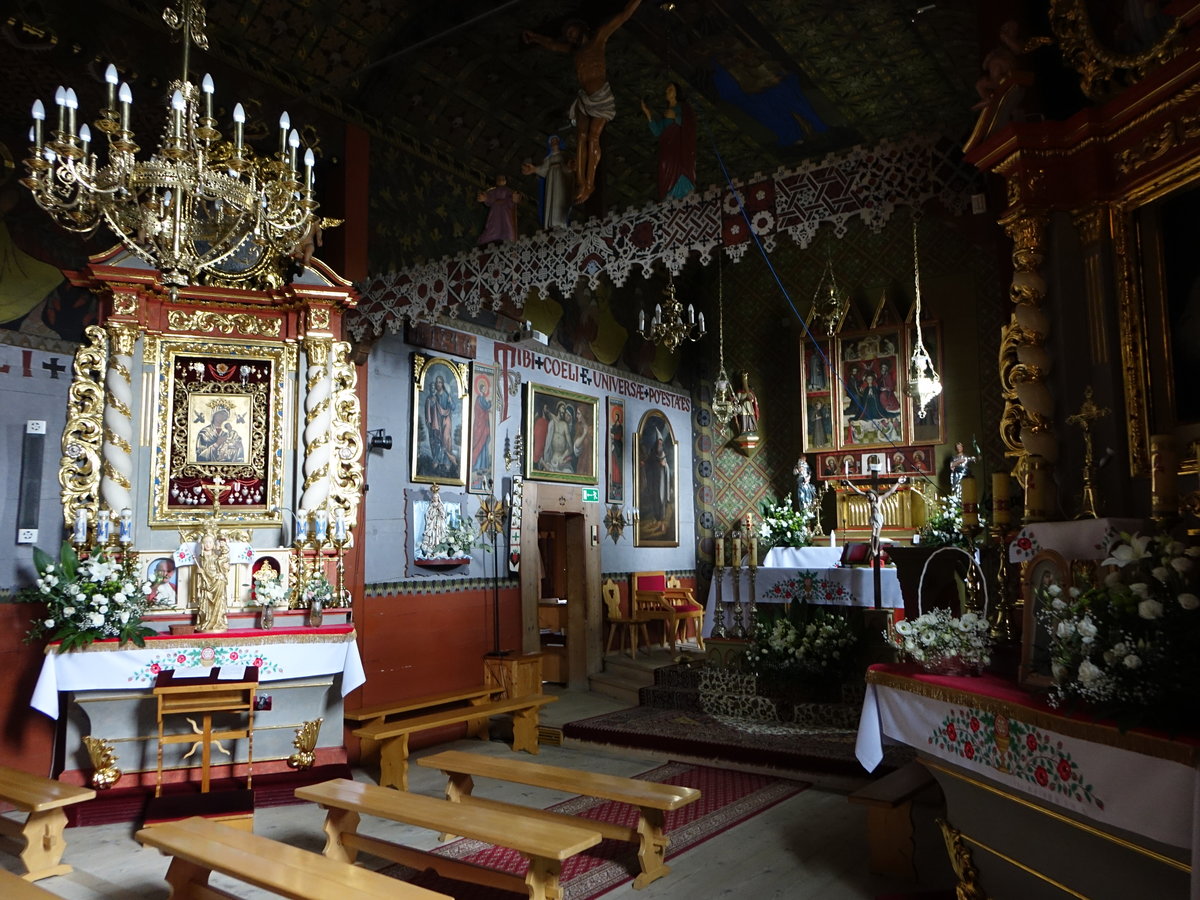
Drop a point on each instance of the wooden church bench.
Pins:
(651, 799)
(41, 834)
(889, 818)
(384, 712)
(393, 757)
(14, 887)
(199, 847)
(544, 844)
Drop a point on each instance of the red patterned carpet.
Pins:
(727, 798)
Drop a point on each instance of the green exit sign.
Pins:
(591, 495)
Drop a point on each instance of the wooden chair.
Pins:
(655, 599)
(628, 625)
(687, 611)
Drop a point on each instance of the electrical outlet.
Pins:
(35, 426)
(27, 535)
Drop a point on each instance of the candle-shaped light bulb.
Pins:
(207, 86)
(177, 108)
(39, 116)
(111, 79)
(293, 147)
(285, 123)
(657, 313)
(85, 138)
(309, 161)
(691, 314)
(641, 320)
(239, 127)
(60, 100)
(702, 328)
(125, 96)
(72, 107)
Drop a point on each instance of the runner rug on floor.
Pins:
(811, 748)
(727, 798)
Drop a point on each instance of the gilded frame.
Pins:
(438, 457)
(1046, 568)
(196, 379)
(656, 523)
(871, 370)
(546, 407)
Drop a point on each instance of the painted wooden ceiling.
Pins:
(451, 85)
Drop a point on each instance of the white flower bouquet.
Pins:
(943, 643)
(87, 600)
(782, 526)
(808, 643)
(1128, 648)
(269, 588)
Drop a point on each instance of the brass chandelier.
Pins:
(668, 326)
(924, 383)
(829, 310)
(198, 200)
(724, 402)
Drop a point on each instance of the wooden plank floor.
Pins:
(808, 847)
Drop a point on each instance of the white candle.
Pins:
(127, 526)
(103, 526)
(301, 526)
(339, 525)
(80, 534)
(322, 523)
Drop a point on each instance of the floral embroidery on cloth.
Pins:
(1016, 749)
(810, 587)
(207, 656)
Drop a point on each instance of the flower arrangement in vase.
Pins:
(783, 526)
(1129, 647)
(943, 643)
(88, 599)
(269, 591)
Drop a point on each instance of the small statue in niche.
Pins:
(437, 524)
(210, 580)
(501, 202)
(747, 412)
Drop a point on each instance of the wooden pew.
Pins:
(41, 833)
(651, 799)
(544, 844)
(889, 818)
(384, 712)
(14, 887)
(199, 847)
(393, 758)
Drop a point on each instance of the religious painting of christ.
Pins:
(560, 435)
(483, 428)
(870, 389)
(439, 433)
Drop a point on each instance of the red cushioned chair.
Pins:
(656, 599)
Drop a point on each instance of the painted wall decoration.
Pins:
(439, 431)
(483, 428)
(656, 477)
(560, 435)
(616, 451)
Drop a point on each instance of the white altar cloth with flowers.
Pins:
(279, 654)
(838, 586)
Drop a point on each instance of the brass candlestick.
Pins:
(718, 629)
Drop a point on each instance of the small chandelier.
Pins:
(829, 309)
(924, 383)
(195, 202)
(667, 327)
(724, 402)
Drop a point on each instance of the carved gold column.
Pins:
(318, 412)
(116, 482)
(1026, 426)
(346, 473)
(79, 468)
(1092, 226)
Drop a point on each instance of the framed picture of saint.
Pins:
(656, 478)
(439, 430)
(872, 413)
(560, 435)
(480, 471)
(616, 451)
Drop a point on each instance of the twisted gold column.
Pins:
(346, 473)
(116, 481)
(79, 467)
(318, 419)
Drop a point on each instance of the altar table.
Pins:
(1038, 797)
(303, 674)
(802, 558)
(1080, 539)
(840, 586)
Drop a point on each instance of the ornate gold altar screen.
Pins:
(230, 401)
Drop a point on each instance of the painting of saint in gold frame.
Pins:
(219, 431)
(656, 481)
(439, 429)
(871, 389)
